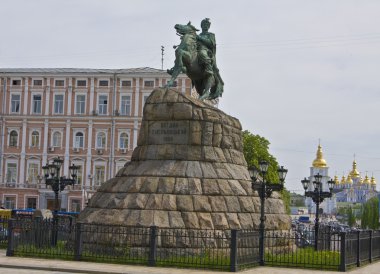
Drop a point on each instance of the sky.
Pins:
(295, 71)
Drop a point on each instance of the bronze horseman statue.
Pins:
(195, 56)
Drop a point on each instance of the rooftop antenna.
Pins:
(162, 57)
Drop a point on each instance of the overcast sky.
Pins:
(294, 70)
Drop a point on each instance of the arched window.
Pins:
(35, 142)
(57, 139)
(123, 141)
(13, 138)
(101, 140)
(79, 140)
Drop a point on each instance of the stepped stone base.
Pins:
(188, 171)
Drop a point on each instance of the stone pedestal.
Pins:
(188, 171)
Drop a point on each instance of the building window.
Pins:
(37, 83)
(102, 104)
(31, 202)
(149, 84)
(126, 84)
(37, 104)
(13, 138)
(81, 83)
(33, 170)
(35, 140)
(59, 83)
(79, 174)
(80, 104)
(11, 173)
(125, 105)
(75, 205)
(99, 175)
(79, 140)
(58, 104)
(10, 202)
(15, 103)
(101, 140)
(16, 82)
(123, 140)
(57, 139)
(103, 83)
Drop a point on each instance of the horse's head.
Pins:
(185, 29)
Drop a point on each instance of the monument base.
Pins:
(188, 171)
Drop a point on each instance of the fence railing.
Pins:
(228, 250)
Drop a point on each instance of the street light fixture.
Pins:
(265, 189)
(57, 183)
(318, 196)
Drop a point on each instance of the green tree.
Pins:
(256, 148)
(351, 217)
(370, 215)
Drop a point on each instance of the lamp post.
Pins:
(318, 196)
(265, 189)
(57, 183)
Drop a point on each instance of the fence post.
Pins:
(358, 250)
(78, 242)
(342, 266)
(152, 246)
(233, 251)
(37, 231)
(370, 245)
(10, 247)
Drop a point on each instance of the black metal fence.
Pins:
(228, 250)
(3, 231)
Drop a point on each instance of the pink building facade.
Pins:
(87, 117)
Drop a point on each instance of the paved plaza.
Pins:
(33, 265)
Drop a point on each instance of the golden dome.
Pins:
(349, 179)
(336, 180)
(366, 180)
(343, 181)
(361, 180)
(354, 173)
(373, 181)
(319, 161)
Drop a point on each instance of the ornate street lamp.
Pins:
(265, 189)
(318, 196)
(57, 183)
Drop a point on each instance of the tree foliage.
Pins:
(370, 215)
(256, 148)
(351, 219)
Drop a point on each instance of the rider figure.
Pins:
(206, 53)
(206, 47)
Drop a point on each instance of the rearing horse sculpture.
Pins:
(187, 61)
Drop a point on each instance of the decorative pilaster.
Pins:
(69, 96)
(92, 94)
(22, 158)
(47, 96)
(26, 96)
(46, 141)
(89, 154)
(137, 96)
(112, 155)
(66, 162)
(135, 131)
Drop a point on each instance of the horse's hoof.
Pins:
(205, 96)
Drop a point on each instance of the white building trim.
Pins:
(26, 96)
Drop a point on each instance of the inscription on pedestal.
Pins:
(169, 132)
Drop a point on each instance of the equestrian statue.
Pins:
(195, 56)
